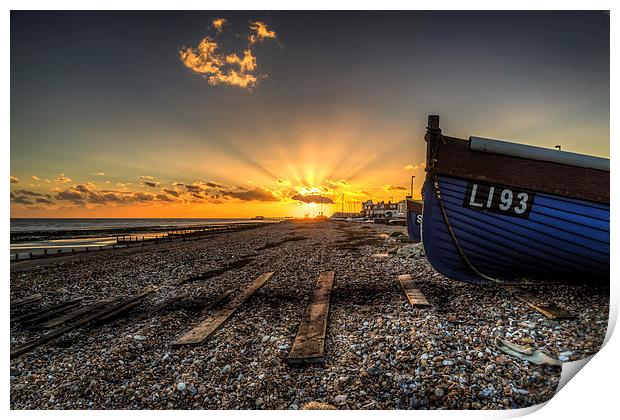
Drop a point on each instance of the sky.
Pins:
(239, 114)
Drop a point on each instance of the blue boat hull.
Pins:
(413, 225)
(556, 238)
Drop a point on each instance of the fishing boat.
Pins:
(414, 219)
(496, 211)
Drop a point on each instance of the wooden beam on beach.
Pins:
(202, 331)
(51, 313)
(123, 308)
(548, 309)
(414, 295)
(24, 301)
(309, 344)
(25, 348)
(47, 312)
(77, 313)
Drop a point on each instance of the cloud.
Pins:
(389, 187)
(99, 174)
(415, 167)
(171, 192)
(35, 178)
(214, 184)
(30, 193)
(260, 32)
(218, 24)
(193, 188)
(151, 184)
(225, 68)
(44, 201)
(14, 179)
(146, 177)
(256, 194)
(62, 178)
(312, 198)
(337, 183)
(163, 197)
(21, 200)
(233, 78)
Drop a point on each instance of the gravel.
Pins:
(380, 352)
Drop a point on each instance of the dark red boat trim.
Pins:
(451, 156)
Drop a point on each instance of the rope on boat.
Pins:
(453, 235)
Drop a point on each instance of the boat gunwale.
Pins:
(454, 158)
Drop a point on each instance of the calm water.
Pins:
(34, 235)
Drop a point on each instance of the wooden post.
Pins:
(86, 249)
(45, 252)
(30, 253)
(16, 257)
(59, 252)
(72, 251)
(433, 133)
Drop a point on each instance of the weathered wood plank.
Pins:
(51, 313)
(202, 331)
(414, 295)
(548, 309)
(25, 348)
(24, 301)
(309, 344)
(125, 307)
(47, 312)
(72, 315)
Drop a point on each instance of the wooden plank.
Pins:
(118, 312)
(548, 309)
(47, 312)
(24, 301)
(309, 344)
(207, 327)
(25, 348)
(415, 297)
(51, 313)
(72, 315)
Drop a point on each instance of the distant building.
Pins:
(382, 210)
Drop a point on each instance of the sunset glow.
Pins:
(240, 114)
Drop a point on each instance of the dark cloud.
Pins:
(151, 184)
(389, 187)
(163, 197)
(193, 188)
(313, 198)
(70, 195)
(256, 194)
(19, 199)
(171, 192)
(31, 193)
(44, 201)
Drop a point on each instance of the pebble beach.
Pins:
(380, 352)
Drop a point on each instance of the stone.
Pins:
(340, 399)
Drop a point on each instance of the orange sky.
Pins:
(250, 113)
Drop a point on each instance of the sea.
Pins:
(34, 235)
